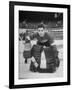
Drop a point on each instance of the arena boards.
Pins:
(25, 17)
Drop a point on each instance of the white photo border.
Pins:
(18, 81)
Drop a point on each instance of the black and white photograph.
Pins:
(40, 44)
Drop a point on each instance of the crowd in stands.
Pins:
(32, 25)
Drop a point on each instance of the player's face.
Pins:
(41, 31)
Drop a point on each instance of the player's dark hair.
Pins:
(41, 26)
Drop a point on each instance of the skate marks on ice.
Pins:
(26, 74)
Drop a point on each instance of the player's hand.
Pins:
(36, 64)
(28, 37)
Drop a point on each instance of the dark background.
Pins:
(32, 16)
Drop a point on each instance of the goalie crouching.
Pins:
(44, 54)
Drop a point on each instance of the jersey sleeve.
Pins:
(33, 36)
(50, 38)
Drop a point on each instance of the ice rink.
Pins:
(24, 72)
